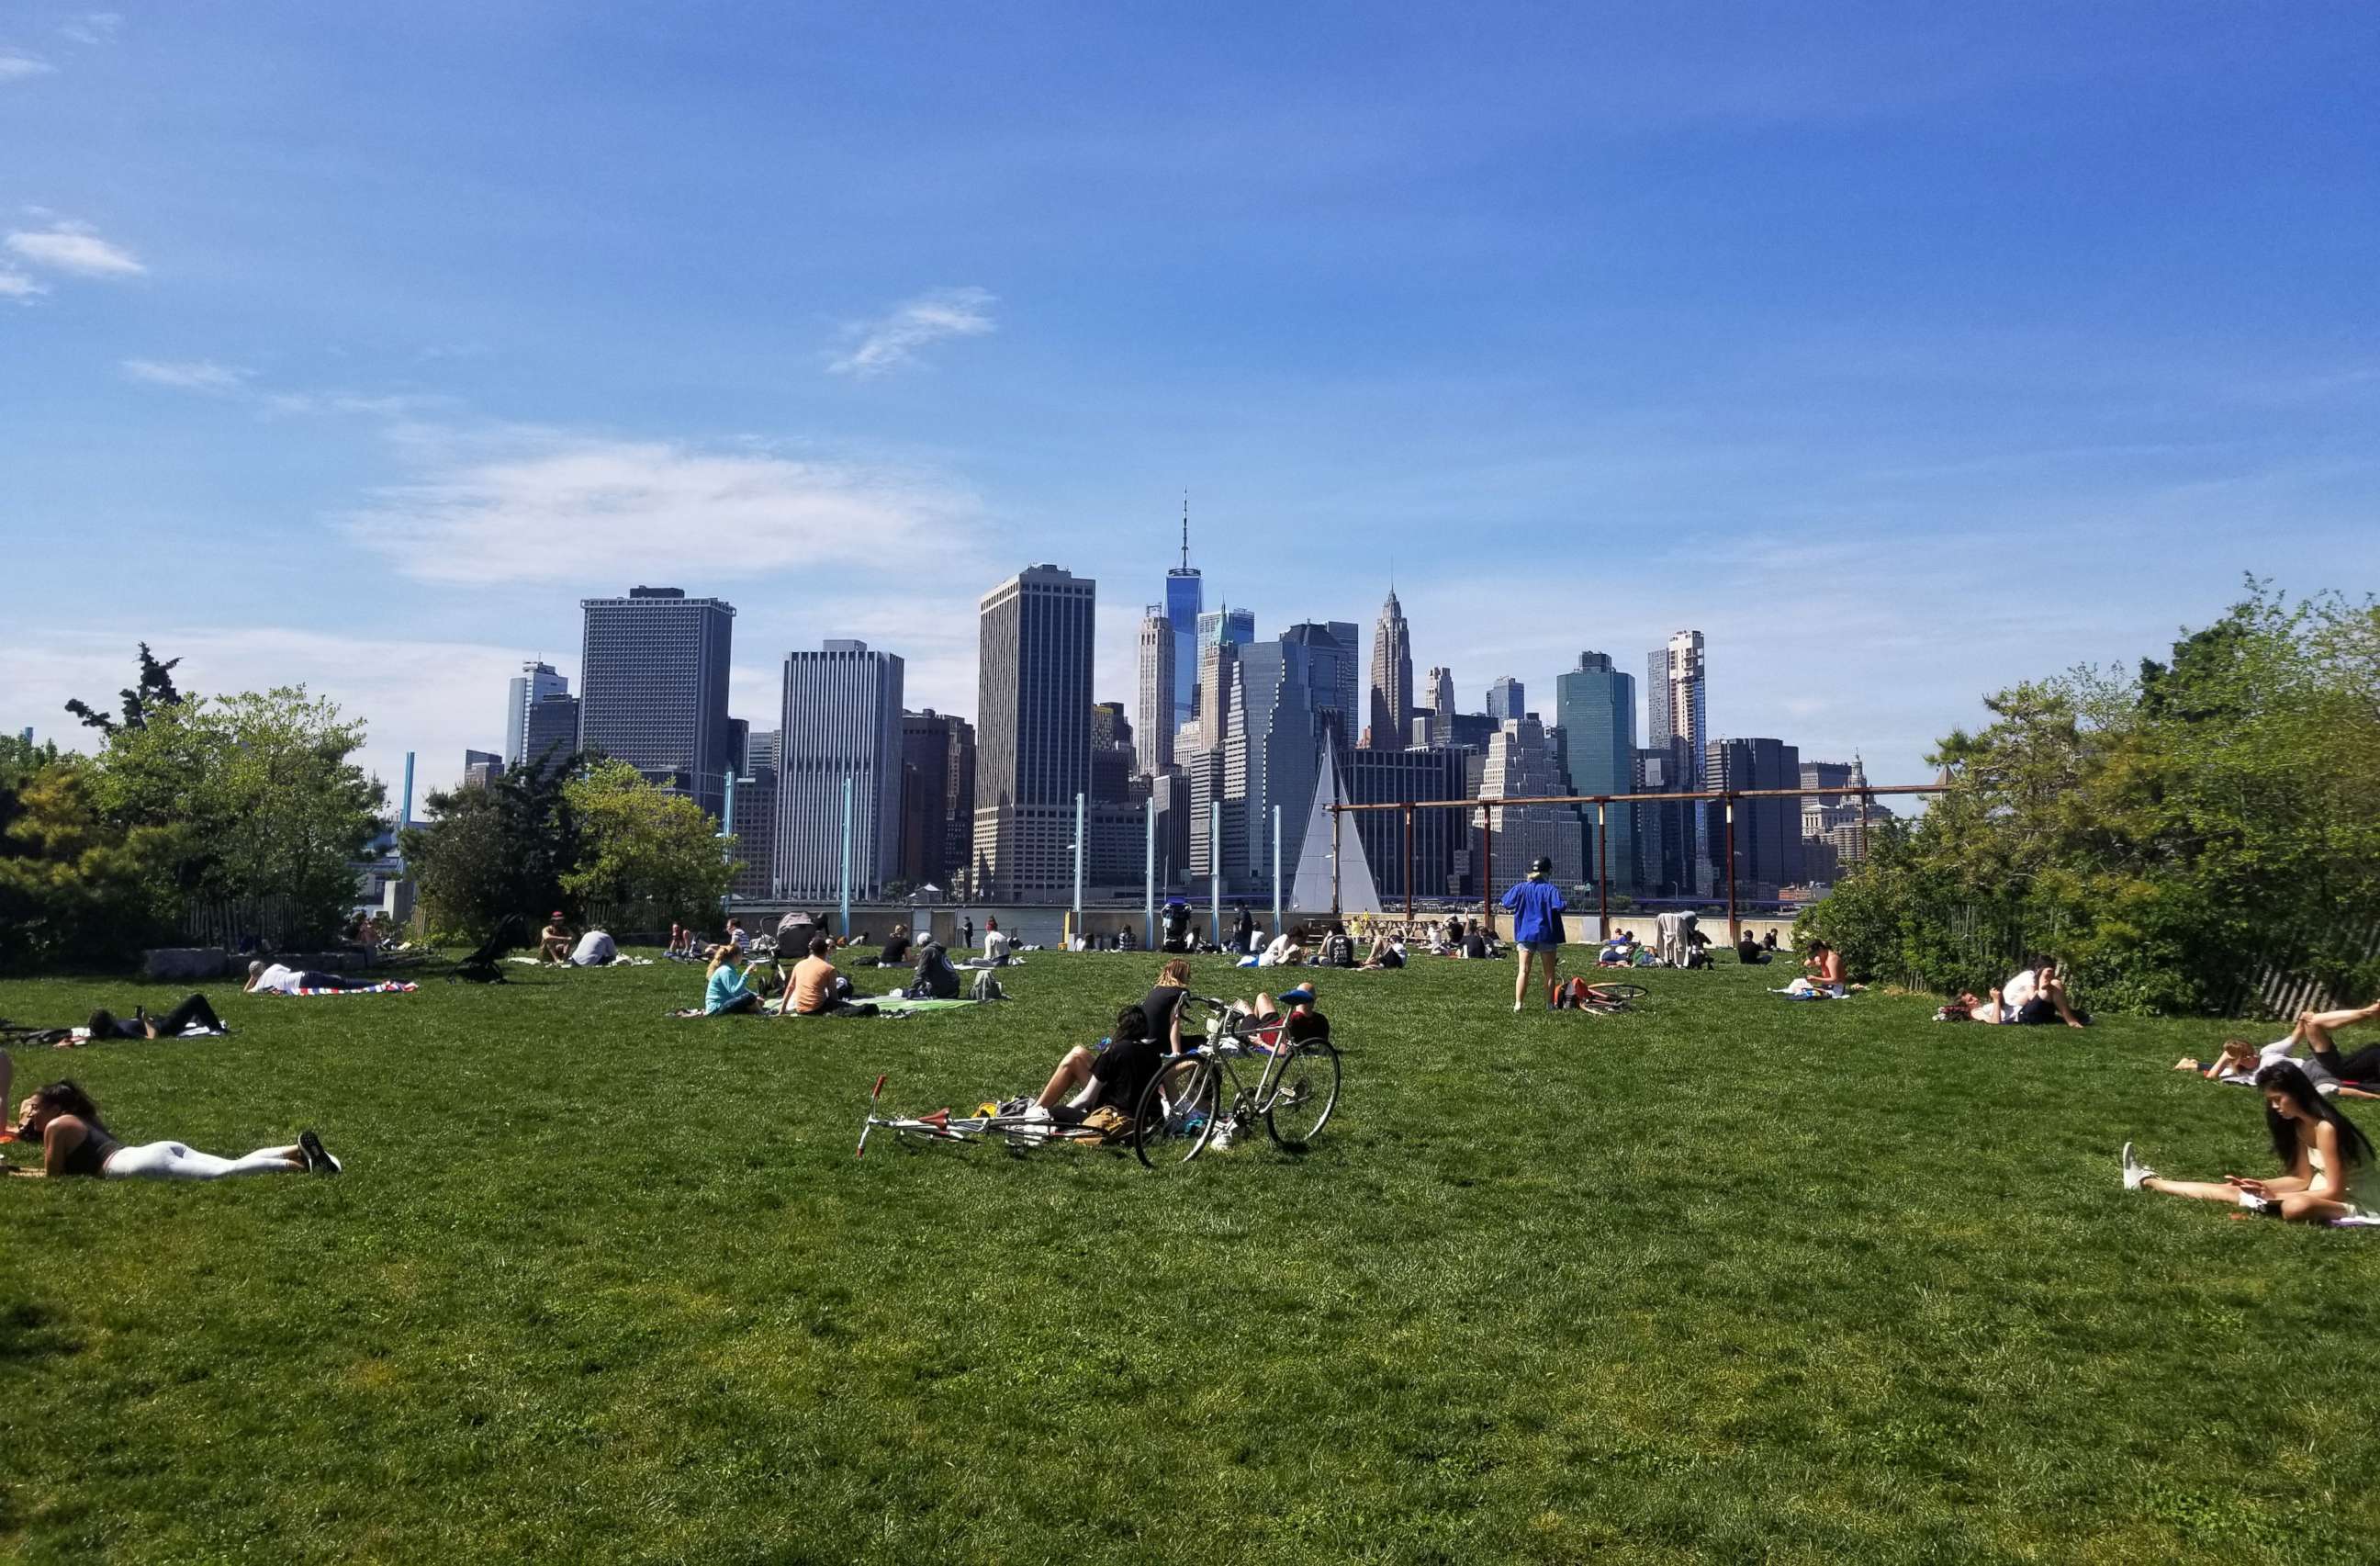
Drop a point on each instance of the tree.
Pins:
(2167, 834)
(264, 784)
(496, 850)
(76, 890)
(655, 854)
(156, 689)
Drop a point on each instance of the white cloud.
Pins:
(893, 339)
(437, 698)
(73, 246)
(199, 374)
(17, 286)
(17, 67)
(92, 27)
(511, 505)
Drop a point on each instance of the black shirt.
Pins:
(1475, 945)
(896, 950)
(1124, 1069)
(1160, 1005)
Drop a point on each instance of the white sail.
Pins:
(1309, 891)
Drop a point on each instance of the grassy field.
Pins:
(1732, 1278)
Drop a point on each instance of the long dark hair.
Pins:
(2284, 1076)
(67, 1099)
(1130, 1023)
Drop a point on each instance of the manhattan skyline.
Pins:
(1886, 350)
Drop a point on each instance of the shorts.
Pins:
(1543, 948)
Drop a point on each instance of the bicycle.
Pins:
(1181, 1110)
(1609, 999)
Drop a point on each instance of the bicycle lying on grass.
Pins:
(1604, 999)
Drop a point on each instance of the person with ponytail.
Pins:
(2319, 1151)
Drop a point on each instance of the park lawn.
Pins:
(1730, 1277)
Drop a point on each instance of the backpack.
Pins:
(1113, 1125)
(986, 989)
(1573, 994)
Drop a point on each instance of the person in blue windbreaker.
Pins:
(1536, 907)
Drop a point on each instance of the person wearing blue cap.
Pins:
(1536, 907)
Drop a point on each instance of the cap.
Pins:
(1544, 867)
(1302, 996)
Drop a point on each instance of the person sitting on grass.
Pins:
(995, 942)
(1750, 952)
(1112, 1073)
(1822, 972)
(272, 978)
(819, 988)
(1338, 949)
(2319, 1149)
(896, 949)
(62, 1118)
(723, 988)
(595, 948)
(1161, 1007)
(934, 978)
(553, 941)
(194, 1012)
(1387, 951)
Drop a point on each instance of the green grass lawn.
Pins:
(1733, 1277)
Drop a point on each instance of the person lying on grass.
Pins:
(2037, 997)
(2363, 1066)
(273, 978)
(2239, 1062)
(194, 1012)
(723, 989)
(62, 1118)
(1112, 1073)
(819, 988)
(2319, 1149)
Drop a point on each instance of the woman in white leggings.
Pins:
(62, 1118)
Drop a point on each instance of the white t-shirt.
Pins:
(2280, 1049)
(278, 979)
(595, 949)
(2017, 990)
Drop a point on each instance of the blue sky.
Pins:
(1905, 351)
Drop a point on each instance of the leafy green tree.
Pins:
(2168, 834)
(654, 853)
(496, 851)
(76, 890)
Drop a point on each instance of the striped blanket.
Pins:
(394, 986)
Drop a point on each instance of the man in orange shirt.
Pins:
(818, 988)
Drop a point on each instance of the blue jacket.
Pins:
(726, 988)
(1536, 907)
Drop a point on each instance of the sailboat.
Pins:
(1309, 892)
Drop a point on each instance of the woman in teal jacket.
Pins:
(725, 989)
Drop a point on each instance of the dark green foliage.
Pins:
(2169, 836)
(1729, 1278)
(154, 690)
(496, 851)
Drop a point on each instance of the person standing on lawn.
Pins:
(1536, 908)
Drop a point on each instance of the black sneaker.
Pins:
(317, 1160)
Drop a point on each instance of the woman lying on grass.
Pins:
(62, 1118)
(2333, 1078)
(2319, 1149)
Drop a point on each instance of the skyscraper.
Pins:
(927, 752)
(1767, 832)
(958, 815)
(1392, 677)
(1333, 680)
(1113, 762)
(1595, 706)
(1519, 764)
(754, 823)
(1442, 706)
(553, 733)
(652, 687)
(1033, 717)
(1271, 757)
(1221, 632)
(1674, 721)
(482, 768)
(842, 720)
(1185, 597)
(1156, 706)
(1506, 698)
(1442, 839)
(535, 683)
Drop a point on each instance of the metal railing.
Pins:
(1602, 803)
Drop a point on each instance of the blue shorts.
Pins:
(1543, 948)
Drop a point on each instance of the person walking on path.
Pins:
(1536, 908)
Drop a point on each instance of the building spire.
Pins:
(1186, 528)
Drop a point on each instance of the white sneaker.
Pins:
(1516, 1006)
(2134, 1170)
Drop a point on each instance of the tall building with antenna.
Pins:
(1392, 679)
(1185, 596)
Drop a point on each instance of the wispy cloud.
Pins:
(17, 286)
(197, 375)
(526, 504)
(68, 246)
(17, 67)
(92, 27)
(893, 339)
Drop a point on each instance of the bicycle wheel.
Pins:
(1176, 1112)
(1306, 1093)
(1621, 993)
